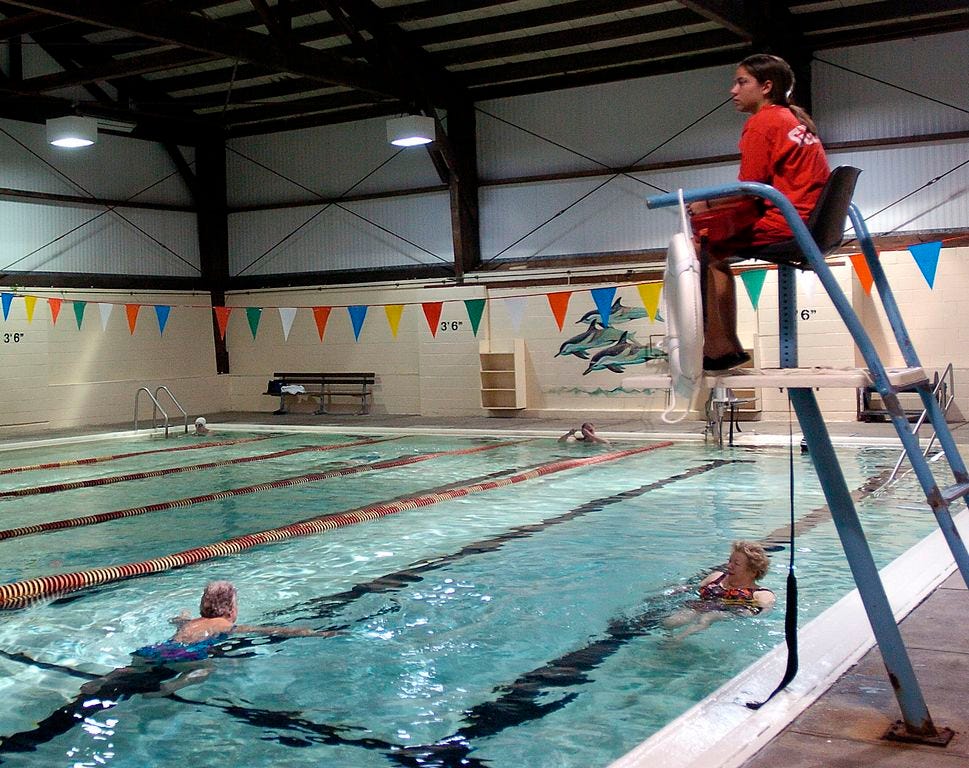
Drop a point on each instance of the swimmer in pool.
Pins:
(585, 434)
(201, 426)
(730, 591)
(160, 669)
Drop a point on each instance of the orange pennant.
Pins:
(321, 315)
(222, 318)
(432, 311)
(131, 310)
(861, 269)
(559, 302)
(55, 309)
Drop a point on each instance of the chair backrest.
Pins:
(827, 220)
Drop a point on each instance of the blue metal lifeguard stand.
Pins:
(917, 724)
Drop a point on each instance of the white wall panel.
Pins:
(50, 238)
(852, 107)
(329, 160)
(307, 239)
(616, 124)
(115, 167)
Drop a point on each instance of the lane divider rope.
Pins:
(99, 481)
(21, 593)
(286, 482)
(116, 456)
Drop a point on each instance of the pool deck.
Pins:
(844, 726)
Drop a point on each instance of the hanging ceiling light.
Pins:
(72, 131)
(410, 130)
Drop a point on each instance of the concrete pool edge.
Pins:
(721, 732)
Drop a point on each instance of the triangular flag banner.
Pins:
(393, 312)
(861, 269)
(6, 298)
(926, 255)
(475, 307)
(105, 309)
(131, 310)
(559, 302)
(516, 310)
(30, 302)
(432, 312)
(222, 318)
(754, 283)
(358, 313)
(287, 315)
(162, 311)
(55, 309)
(807, 281)
(603, 298)
(649, 294)
(79, 312)
(253, 315)
(320, 316)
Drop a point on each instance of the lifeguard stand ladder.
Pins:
(917, 725)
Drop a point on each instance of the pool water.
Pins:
(515, 626)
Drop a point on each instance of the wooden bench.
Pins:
(326, 386)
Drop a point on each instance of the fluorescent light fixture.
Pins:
(410, 130)
(72, 131)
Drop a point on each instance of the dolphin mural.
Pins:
(624, 352)
(618, 314)
(594, 336)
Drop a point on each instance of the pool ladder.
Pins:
(917, 725)
(156, 408)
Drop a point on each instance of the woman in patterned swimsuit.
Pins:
(731, 591)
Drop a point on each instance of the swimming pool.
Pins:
(518, 624)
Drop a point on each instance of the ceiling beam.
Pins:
(215, 38)
(738, 17)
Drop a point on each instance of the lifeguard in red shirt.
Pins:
(779, 146)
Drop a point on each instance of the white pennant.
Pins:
(808, 282)
(105, 310)
(287, 315)
(516, 310)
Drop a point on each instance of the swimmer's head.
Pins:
(200, 421)
(218, 601)
(757, 560)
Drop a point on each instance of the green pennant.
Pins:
(475, 307)
(79, 312)
(253, 314)
(754, 283)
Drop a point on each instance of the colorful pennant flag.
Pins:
(603, 298)
(162, 312)
(286, 316)
(55, 309)
(754, 283)
(393, 312)
(559, 302)
(861, 269)
(432, 312)
(222, 319)
(132, 310)
(253, 315)
(30, 302)
(79, 307)
(515, 305)
(358, 313)
(320, 316)
(475, 308)
(807, 281)
(6, 299)
(649, 294)
(926, 255)
(105, 309)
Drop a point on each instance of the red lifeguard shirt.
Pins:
(777, 149)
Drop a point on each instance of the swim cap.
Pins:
(200, 422)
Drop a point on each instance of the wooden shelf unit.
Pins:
(502, 372)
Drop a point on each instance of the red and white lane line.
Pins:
(21, 593)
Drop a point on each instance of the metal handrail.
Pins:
(156, 407)
(948, 395)
(178, 405)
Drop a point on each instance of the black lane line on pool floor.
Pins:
(325, 607)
